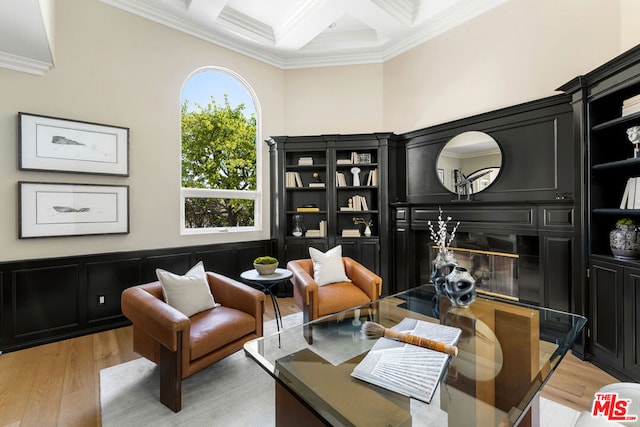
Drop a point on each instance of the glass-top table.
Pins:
(506, 352)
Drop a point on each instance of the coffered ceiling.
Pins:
(283, 33)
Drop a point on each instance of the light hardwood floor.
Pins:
(58, 384)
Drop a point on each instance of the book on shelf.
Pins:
(313, 233)
(404, 368)
(632, 100)
(359, 203)
(323, 228)
(346, 208)
(351, 232)
(293, 180)
(341, 179)
(631, 109)
(631, 105)
(372, 178)
(304, 209)
(316, 185)
(631, 195)
(305, 161)
(344, 162)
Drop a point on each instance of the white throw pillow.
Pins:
(189, 294)
(328, 267)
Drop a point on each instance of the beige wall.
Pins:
(334, 100)
(115, 68)
(520, 51)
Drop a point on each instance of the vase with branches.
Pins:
(441, 239)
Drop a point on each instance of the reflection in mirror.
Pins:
(469, 163)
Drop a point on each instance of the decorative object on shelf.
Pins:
(305, 161)
(460, 287)
(633, 133)
(265, 265)
(367, 225)
(297, 228)
(63, 145)
(356, 176)
(624, 240)
(363, 158)
(317, 182)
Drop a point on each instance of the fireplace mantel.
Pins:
(536, 198)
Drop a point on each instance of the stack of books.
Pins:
(293, 180)
(316, 185)
(320, 232)
(307, 209)
(351, 232)
(305, 161)
(631, 105)
(631, 196)
(344, 162)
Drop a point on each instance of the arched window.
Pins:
(220, 157)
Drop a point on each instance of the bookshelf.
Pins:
(606, 104)
(323, 182)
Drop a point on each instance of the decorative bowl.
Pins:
(265, 269)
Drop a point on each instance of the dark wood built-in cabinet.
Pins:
(610, 299)
(313, 180)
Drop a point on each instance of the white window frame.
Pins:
(205, 193)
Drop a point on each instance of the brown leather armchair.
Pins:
(318, 301)
(184, 345)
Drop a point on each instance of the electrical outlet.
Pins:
(101, 300)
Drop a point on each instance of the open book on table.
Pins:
(404, 368)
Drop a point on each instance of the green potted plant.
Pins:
(265, 265)
(624, 239)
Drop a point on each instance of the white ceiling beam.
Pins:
(306, 22)
(404, 11)
(378, 18)
(205, 10)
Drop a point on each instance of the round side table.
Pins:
(267, 282)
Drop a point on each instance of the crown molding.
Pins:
(24, 64)
(267, 52)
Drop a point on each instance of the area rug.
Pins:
(233, 392)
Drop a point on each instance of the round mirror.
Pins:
(469, 163)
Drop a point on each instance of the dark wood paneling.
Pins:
(177, 263)
(558, 217)
(52, 299)
(108, 280)
(632, 322)
(485, 217)
(536, 139)
(556, 250)
(45, 299)
(607, 313)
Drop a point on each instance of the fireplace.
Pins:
(502, 264)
